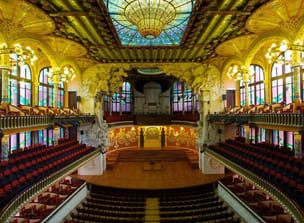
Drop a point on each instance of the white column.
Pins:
(298, 143)
(4, 146)
(93, 167)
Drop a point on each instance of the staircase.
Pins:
(151, 155)
(152, 210)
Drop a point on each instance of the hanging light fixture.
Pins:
(150, 16)
(277, 53)
(236, 72)
(57, 74)
(18, 55)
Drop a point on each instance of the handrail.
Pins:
(244, 205)
(28, 193)
(261, 183)
(69, 198)
(17, 122)
(284, 119)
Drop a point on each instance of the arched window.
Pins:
(256, 88)
(183, 96)
(282, 82)
(46, 89)
(126, 97)
(60, 102)
(20, 85)
(120, 100)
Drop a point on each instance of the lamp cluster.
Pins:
(18, 55)
(65, 74)
(150, 16)
(276, 53)
(236, 72)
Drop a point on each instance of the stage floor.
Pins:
(158, 175)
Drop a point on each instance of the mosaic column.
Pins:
(4, 146)
(246, 94)
(5, 69)
(55, 95)
(296, 64)
(36, 94)
(247, 130)
(268, 133)
(298, 143)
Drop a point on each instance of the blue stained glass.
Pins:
(129, 35)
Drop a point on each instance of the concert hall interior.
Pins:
(164, 111)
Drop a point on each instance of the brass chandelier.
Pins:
(150, 16)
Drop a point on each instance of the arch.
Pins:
(38, 42)
(263, 39)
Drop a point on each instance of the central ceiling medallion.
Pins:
(150, 16)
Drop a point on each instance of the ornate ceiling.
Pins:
(89, 23)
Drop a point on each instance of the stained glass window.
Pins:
(177, 96)
(20, 85)
(184, 96)
(242, 93)
(42, 137)
(46, 89)
(278, 137)
(24, 139)
(13, 142)
(252, 135)
(126, 97)
(290, 140)
(261, 137)
(282, 82)
(256, 91)
(120, 100)
(61, 95)
(129, 34)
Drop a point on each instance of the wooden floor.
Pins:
(155, 175)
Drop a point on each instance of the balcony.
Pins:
(20, 122)
(263, 184)
(286, 119)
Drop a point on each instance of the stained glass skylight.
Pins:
(129, 33)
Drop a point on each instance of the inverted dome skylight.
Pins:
(150, 22)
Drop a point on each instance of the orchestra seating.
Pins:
(275, 164)
(193, 204)
(43, 204)
(29, 165)
(270, 210)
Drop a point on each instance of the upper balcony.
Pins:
(271, 115)
(13, 118)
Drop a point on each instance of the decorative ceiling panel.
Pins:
(129, 34)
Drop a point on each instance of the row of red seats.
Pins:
(38, 155)
(256, 198)
(13, 182)
(280, 173)
(43, 204)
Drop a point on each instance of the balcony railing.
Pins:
(19, 122)
(285, 119)
(262, 184)
(28, 193)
